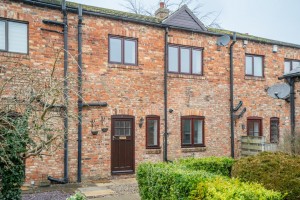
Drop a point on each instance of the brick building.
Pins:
(142, 75)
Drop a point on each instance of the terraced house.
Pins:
(151, 88)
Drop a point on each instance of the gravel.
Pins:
(55, 195)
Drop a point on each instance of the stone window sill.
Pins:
(122, 66)
(255, 78)
(193, 149)
(153, 151)
(186, 76)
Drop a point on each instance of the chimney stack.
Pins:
(162, 12)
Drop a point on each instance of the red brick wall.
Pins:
(138, 90)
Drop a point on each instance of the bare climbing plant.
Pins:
(210, 19)
(32, 108)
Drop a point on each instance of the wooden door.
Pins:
(122, 148)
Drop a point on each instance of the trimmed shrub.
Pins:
(232, 189)
(276, 171)
(217, 165)
(168, 181)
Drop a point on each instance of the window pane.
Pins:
(127, 124)
(287, 67)
(249, 65)
(274, 136)
(17, 37)
(256, 128)
(258, 68)
(115, 50)
(127, 132)
(186, 132)
(152, 133)
(296, 64)
(173, 59)
(198, 132)
(185, 60)
(130, 52)
(197, 61)
(2, 35)
(251, 128)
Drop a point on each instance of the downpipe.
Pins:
(66, 98)
(165, 155)
(231, 97)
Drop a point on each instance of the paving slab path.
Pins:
(123, 189)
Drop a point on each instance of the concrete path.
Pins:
(123, 189)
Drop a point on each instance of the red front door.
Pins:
(122, 148)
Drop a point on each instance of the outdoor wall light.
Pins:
(275, 48)
(141, 122)
(245, 42)
(171, 110)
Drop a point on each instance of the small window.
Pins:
(152, 132)
(185, 60)
(254, 126)
(122, 50)
(274, 130)
(254, 65)
(290, 65)
(13, 36)
(192, 131)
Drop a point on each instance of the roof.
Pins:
(168, 22)
(102, 10)
(184, 17)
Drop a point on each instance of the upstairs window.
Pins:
(192, 131)
(13, 36)
(254, 126)
(185, 60)
(152, 132)
(254, 66)
(122, 50)
(290, 65)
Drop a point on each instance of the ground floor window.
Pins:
(274, 130)
(192, 131)
(254, 126)
(152, 132)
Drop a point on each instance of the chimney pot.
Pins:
(162, 12)
(162, 5)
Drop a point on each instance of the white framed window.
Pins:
(254, 66)
(13, 36)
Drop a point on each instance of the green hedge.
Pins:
(232, 189)
(277, 171)
(183, 180)
(217, 165)
(168, 181)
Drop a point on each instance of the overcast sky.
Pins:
(273, 19)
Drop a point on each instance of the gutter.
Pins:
(161, 25)
(165, 155)
(231, 97)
